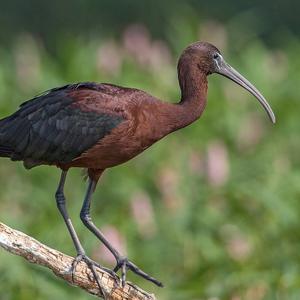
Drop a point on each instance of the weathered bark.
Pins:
(23, 245)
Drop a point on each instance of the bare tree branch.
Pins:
(23, 245)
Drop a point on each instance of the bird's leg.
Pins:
(122, 262)
(81, 256)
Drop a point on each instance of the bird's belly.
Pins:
(102, 156)
(115, 149)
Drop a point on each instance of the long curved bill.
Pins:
(229, 72)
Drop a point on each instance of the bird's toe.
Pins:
(92, 265)
(124, 264)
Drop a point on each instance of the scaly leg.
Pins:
(122, 262)
(81, 256)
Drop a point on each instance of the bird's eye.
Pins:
(216, 56)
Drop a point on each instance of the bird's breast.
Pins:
(145, 125)
(122, 144)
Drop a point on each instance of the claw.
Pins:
(91, 265)
(124, 264)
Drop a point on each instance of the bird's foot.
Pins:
(124, 264)
(92, 265)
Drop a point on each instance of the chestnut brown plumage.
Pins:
(98, 126)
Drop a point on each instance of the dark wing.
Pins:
(51, 128)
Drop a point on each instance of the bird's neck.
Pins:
(193, 85)
(168, 117)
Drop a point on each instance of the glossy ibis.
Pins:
(98, 126)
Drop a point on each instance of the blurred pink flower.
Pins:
(109, 58)
(147, 53)
(136, 40)
(217, 163)
(114, 237)
(237, 244)
(143, 215)
(238, 247)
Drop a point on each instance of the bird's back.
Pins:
(60, 124)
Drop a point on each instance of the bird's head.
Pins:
(209, 60)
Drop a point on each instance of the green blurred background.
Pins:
(212, 210)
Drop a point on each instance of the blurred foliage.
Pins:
(213, 209)
(53, 20)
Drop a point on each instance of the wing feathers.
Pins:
(50, 129)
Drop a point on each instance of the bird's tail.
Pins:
(5, 151)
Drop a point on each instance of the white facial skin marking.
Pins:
(217, 60)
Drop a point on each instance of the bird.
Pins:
(96, 126)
